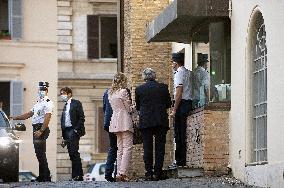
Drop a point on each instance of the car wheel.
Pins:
(12, 174)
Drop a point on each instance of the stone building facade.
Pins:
(28, 55)
(87, 74)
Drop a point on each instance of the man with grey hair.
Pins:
(152, 100)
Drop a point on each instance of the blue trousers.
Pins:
(112, 153)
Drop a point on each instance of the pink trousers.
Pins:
(124, 152)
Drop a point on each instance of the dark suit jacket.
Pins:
(77, 118)
(152, 100)
(107, 111)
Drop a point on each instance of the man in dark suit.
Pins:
(72, 125)
(112, 152)
(152, 100)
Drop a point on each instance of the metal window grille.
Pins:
(259, 94)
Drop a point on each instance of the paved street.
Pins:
(223, 182)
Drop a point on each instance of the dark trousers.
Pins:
(40, 150)
(160, 141)
(73, 149)
(112, 154)
(182, 112)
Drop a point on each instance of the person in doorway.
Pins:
(121, 124)
(112, 152)
(152, 100)
(201, 82)
(41, 115)
(181, 106)
(72, 125)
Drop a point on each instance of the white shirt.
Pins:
(182, 78)
(201, 83)
(67, 114)
(42, 107)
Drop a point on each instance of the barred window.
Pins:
(259, 92)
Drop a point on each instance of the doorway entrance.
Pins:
(5, 97)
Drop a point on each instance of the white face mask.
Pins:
(41, 94)
(64, 98)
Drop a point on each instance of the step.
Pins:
(185, 172)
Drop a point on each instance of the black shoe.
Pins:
(148, 178)
(41, 179)
(160, 177)
(77, 178)
(110, 178)
(38, 179)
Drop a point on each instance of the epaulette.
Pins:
(47, 100)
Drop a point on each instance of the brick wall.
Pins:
(138, 55)
(216, 142)
(208, 141)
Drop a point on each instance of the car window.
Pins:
(91, 168)
(4, 122)
(102, 169)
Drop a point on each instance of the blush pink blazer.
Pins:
(121, 119)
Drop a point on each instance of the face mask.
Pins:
(64, 98)
(41, 94)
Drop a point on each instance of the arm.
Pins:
(81, 116)
(23, 116)
(168, 99)
(137, 100)
(46, 121)
(178, 98)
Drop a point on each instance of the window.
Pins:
(102, 36)
(259, 91)
(220, 61)
(11, 18)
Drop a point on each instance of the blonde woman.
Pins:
(121, 123)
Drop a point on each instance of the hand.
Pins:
(38, 133)
(173, 113)
(11, 118)
(63, 143)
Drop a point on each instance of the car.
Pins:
(96, 172)
(9, 150)
(26, 176)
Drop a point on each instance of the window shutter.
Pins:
(16, 18)
(93, 36)
(16, 98)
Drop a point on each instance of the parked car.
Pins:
(9, 150)
(26, 175)
(96, 172)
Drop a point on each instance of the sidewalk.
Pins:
(204, 182)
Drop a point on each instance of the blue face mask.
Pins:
(64, 98)
(41, 94)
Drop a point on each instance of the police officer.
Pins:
(181, 106)
(40, 114)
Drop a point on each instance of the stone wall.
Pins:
(138, 55)
(88, 78)
(64, 29)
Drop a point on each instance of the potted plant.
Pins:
(4, 34)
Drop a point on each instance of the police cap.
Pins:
(177, 57)
(43, 85)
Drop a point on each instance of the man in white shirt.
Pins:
(40, 114)
(201, 81)
(181, 107)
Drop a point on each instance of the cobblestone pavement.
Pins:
(203, 182)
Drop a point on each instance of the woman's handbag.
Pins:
(137, 135)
